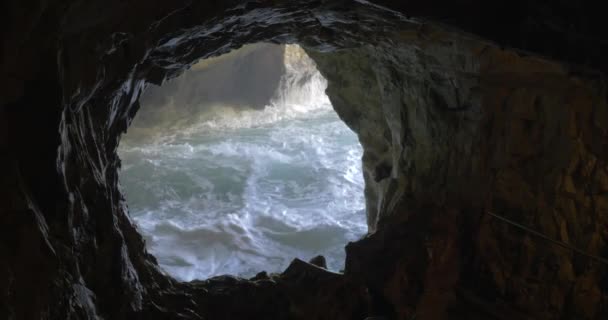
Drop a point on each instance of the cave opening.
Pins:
(241, 164)
(461, 108)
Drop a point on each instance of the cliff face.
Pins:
(247, 78)
(452, 127)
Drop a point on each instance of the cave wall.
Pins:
(451, 125)
(453, 128)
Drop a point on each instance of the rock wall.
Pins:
(452, 129)
(245, 78)
(452, 126)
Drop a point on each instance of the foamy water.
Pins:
(238, 192)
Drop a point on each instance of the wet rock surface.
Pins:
(452, 126)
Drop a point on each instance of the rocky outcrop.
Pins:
(247, 78)
(452, 126)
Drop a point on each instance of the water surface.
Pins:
(241, 191)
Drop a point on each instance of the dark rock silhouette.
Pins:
(461, 107)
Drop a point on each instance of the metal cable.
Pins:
(545, 237)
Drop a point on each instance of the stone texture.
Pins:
(467, 131)
(451, 126)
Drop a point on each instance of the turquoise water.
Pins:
(239, 192)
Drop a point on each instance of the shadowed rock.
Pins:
(465, 125)
(319, 261)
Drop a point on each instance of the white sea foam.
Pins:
(244, 191)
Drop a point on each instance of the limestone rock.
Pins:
(451, 124)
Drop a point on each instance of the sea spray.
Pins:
(241, 191)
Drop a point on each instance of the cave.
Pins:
(484, 129)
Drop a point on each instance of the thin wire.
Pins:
(545, 237)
